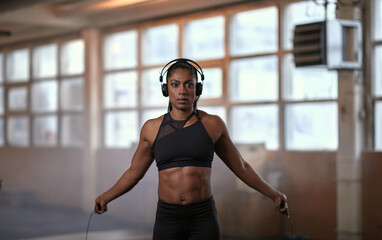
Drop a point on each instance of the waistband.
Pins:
(208, 201)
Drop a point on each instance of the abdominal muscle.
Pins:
(185, 185)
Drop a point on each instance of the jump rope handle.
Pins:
(282, 205)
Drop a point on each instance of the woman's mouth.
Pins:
(182, 100)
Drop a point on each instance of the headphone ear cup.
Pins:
(164, 90)
(199, 89)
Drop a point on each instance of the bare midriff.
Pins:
(185, 185)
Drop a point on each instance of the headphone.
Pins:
(199, 85)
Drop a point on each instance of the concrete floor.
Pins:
(22, 217)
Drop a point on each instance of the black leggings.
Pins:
(197, 221)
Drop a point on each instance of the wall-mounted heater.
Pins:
(335, 44)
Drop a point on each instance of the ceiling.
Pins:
(26, 20)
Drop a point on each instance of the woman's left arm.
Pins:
(229, 154)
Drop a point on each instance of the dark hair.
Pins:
(182, 65)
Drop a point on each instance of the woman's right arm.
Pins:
(140, 163)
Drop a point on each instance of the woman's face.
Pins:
(181, 89)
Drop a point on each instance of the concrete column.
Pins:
(92, 115)
(349, 174)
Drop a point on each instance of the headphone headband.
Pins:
(186, 60)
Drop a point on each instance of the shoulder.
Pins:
(211, 119)
(150, 128)
(214, 125)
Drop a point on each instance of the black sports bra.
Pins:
(179, 146)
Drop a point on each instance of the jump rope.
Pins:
(287, 214)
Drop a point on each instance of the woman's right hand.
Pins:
(100, 205)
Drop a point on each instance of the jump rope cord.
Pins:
(291, 226)
(87, 229)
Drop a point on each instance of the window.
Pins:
(213, 83)
(18, 131)
(120, 89)
(45, 130)
(250, 77)
(16, 82)
(204, 38)
(254, 31)
(17, 99)
(1, 101)
(255, 124)
(377, 31)
(44, 95)
(17, 65)
(321, 83)
(378, 125)
(160, 44)
(71, 86)
(377, 73)
(152, 96)
(254, 79)
(119, 125)
(120, 50)
(309, 94)
(45, 61)
(311, 126)
(36, 102)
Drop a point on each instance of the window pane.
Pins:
(378, 72)
(311, 126)
(377, 19)
(18, 131)
(17, 69)
(72, 57)
(204, 39)
(255, 124)
(1, 68)
(45, 61)
(121, 89)
(17, 98)
(151, 90)
(303, 12)
(254, 79)
(121, 129)
(45, 131)
(120, 50)
(1, 100)
(215, 110)
(152, 113)
(254, 31)
(44, 96)
(160, 44)
(71, 130)
(378, 125)
(213, 83)
(1, 132)
(72, 94)
(308, 82)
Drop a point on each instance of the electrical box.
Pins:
(335, 44)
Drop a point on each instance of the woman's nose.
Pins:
(182, 90)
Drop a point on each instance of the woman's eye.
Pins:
(174, 85)
(189, 85)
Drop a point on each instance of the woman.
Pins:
(183, 142)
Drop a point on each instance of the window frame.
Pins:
(28, 113)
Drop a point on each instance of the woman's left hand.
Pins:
(281, 203)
